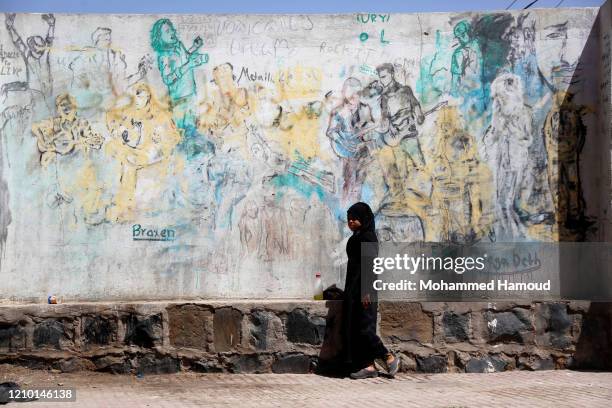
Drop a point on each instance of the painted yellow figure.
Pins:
(564, 137)
(409, 187)
(66, 133)
(66, 142)
(299, 90)
(223, 116)
(143, 135)
(461, 184)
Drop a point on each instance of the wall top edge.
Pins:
(536, 10)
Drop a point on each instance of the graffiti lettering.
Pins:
(139, 233)
(276, 48)
(515, 263)
(7, 68)
(7, 54)
(373, 18)
(232, 26)
(254, 76)
(382, 38)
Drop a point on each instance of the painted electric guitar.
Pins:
(352, 144)
(406, 126)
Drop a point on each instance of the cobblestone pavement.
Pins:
(508, 389)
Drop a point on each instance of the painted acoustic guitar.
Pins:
(64, 140)
(71, 137)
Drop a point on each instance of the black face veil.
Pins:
(363, 213)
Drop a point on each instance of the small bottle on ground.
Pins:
(318, 287)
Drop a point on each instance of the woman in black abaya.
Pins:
(361, 345)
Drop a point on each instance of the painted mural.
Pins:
(178, 156)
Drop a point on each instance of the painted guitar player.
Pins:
(401, 152)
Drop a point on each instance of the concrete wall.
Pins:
(140, 162)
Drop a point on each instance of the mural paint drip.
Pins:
(189, 147)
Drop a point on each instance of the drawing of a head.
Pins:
(142, 95)
(386, 74)
(448, 122)
(559, 54)
(37, 45)
(453, 142)
(556, 36)
(101, 37)
(163, 35)
(385, 234)
(66, 105)
(224, 76)
(507, 92)
(258, 152)
(351, 90)
(462, 32)
(251, 209)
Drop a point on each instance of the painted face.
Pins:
(104, 39)
(65, 107)
(252, 210)
(463, 38)
(385, 77)
(559, 53)
(446, 127)
(257, 151)
(168, 34)
(461, 33)
(224, 77)
(37, 45)
(353, 224)
(141, 98)
(507, 92)
(351, 95)
(385, 234)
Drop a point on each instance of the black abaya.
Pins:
(361, 345)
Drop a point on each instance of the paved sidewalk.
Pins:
(509, 389)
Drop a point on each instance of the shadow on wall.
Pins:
(584, 268)
(594, 346)
(330, 356)
(564, 135)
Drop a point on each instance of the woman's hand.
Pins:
(365, 301)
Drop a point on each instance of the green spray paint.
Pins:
(176, 65)
(434, 76)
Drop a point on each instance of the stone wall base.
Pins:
(293, 336)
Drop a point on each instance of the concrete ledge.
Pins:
(288, 336)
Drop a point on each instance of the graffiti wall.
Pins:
(183, 156)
